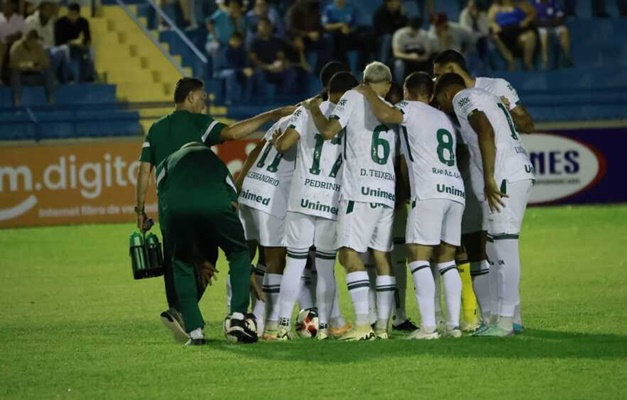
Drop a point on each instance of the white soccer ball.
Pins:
(240, 328)
(307, 323)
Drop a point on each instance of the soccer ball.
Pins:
(307, 323)
(240, 328)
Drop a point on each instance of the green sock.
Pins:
(186, 291)
(239, 273)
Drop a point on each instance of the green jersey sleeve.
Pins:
(147, 154)
(210, 129)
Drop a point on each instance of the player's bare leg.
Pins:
(386, 287)
(419, 257)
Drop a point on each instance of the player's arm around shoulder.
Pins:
(283, 141)
(328, 127)
(250, 160)
(522, 119)
(384, 112)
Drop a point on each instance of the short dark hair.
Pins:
(342, 82)
(451, 57)
(238, 2)
(395, 94)
(419, 83)
(237, 35)
(447, 80)
(415, 22)
(330, 69)
(184, 86)
(74, 7)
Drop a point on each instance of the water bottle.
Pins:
(139, 259)
(155, 255)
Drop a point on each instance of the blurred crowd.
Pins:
(259, 43)
(43, 44)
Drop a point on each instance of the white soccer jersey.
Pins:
(267, 185)
(512, 162)
(500, 88)
(428, 143)
(369, 151)
(317, 178)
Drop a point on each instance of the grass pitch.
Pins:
(74, 324)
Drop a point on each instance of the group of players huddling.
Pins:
(439, 172)
(331, 177)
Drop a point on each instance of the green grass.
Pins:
(75, 325)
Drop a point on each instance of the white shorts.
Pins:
(509, 220)
(266, 229)
(434, 221)
(364, 225)
(303, 231)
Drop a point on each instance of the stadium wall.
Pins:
(93, 181)
(80, 182)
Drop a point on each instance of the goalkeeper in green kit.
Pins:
(198, 201)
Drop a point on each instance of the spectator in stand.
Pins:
(43, 22)
(475, 19)
(234, 68)
(296, 59)
(222, 24)
(73, 31)
(451, 35)
(11, 29)
(550, 21)
(412, 49)
(597, 6)
(268, 57)
(388, 18)
(30, 65)
(340, 21)
(304, 20)
(263, 10)
(186, 12)
(512, 29)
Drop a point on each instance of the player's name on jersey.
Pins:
(317, 206)
(448, 189)
(263, 178)
(366, 191)
(248, 195)
(323, 185)
(446, 172)
(377, 174)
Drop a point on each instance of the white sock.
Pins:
(424, 287)
(259, 270)
(399, 262)
(372, 293)
(271, 288)
(386, 286)
(196, 334)
(337, 320)
(507, 250)
(452, 291)
(326, 287)
(481, 285)
(228, 293)
(291, 287)
(494, 276)
(357, 283)
(437, 294)
(305, 299)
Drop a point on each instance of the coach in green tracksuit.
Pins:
(187, 123)
(198, 201)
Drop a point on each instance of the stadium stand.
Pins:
(138, 64)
